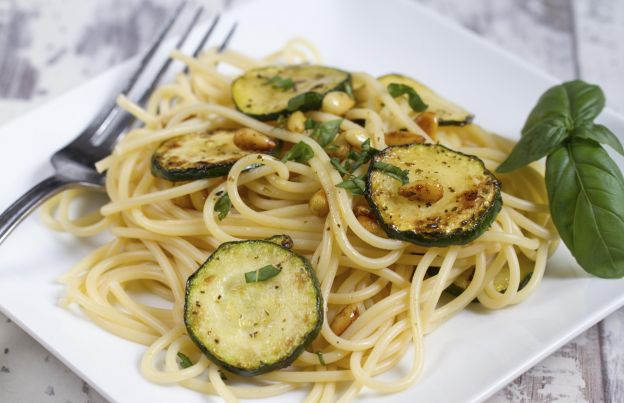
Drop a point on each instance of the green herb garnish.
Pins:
(223, 206)
(585, 186)
(414, 100)
(185, 362)
(305, 102)
(262, 274)
(392, 171)
(280, 83)
(300, 152)
(355, 184)
(320, 357)
(324, 133)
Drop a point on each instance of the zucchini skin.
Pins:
(296, 352)
(429, 96)
(204, 169)
(208, 171)
(314, 102)
(433, 239)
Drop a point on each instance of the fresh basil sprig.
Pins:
(414, 100)
(585, 186)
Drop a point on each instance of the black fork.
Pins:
(74, 164)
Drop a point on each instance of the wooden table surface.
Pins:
(48, 47)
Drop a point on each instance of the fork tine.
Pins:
(146, 93)
(110, 140)
(154, 47)
(207, 35)
(99, 128)
(228, 37)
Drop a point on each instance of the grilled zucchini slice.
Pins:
(450, 197)
(198, 155)
(269, 92)
(448, 113)
(250, 328)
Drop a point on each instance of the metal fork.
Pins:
(74, 164)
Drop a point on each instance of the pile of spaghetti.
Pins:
(381, 295)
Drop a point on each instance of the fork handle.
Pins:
(28, 202)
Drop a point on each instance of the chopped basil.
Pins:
(320, 357)
(262, 274)
(348, 88)
(280, 83)
(414, 100)
(300, 152)
(223, 206)
(355, 185)
(392, 171)
(323, 132)
(185, 362)
(305, 102)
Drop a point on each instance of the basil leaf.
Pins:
(414, 100)
(542, 139)
(392, 171)
(348, 88)
(223, 206)
(262, 274)
(586, 101)
(305, 102)
(310, 124)
(336, 164)
(525, 280)
(586, 190)
(280, 83)
(325, 133)
(355, 185)
(600, 134)
(185, 362)
(300, 152)
(320, 357)
(553, 104)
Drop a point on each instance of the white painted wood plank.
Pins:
(612, 340)
(537, 31)
(600, 33)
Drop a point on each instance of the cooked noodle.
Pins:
(163, 231)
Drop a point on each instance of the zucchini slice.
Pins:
(450, 197)
(250, 328)
(448, 113)
(283, 240)
(197, 155)
(256, 94)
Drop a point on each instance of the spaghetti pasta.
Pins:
(134, 286)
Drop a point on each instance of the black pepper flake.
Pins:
(5, 370)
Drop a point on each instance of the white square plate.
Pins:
(467, 359)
